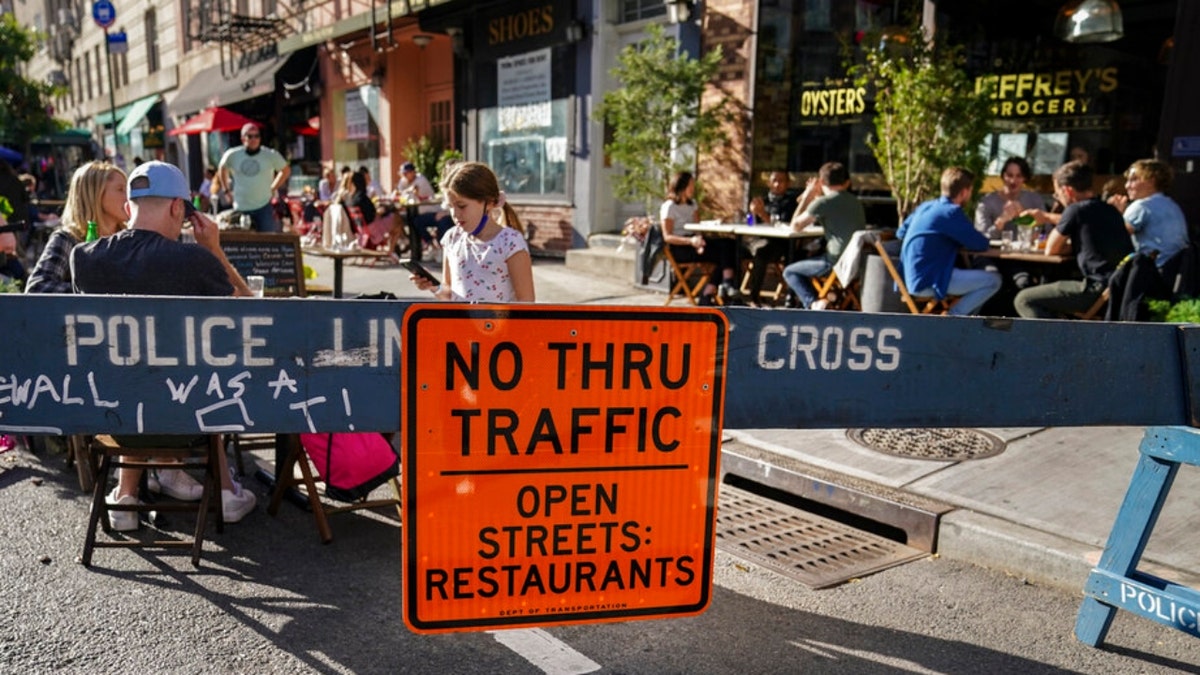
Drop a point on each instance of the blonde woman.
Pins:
(97, 193)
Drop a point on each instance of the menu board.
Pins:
(274, 257)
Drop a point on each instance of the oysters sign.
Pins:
(561, 464)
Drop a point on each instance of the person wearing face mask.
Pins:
(485, 257)
(996, 211)
(257, 173)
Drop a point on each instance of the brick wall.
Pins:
(549, 229)
(724, 171)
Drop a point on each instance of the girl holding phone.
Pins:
(484, 257)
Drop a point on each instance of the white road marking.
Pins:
(831, 651)
(545, 651)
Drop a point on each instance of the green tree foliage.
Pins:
(928, 116)
(24, 104)
(424, 153)
(657, 122)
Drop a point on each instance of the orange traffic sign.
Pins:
(560, 463)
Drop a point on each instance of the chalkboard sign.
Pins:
(275, 257)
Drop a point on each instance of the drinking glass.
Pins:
(256, 284)
(1006, 240)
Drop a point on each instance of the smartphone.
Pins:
(418, 270)
(188, 209)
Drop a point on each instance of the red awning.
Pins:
(213, 119)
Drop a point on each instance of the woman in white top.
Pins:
(680, 209)
(484, 257)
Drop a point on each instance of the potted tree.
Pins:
(658, 127)
(657, 123)
(929, 115)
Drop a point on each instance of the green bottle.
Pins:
(92, 235)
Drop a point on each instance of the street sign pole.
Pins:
(104, 14)
(112, 96)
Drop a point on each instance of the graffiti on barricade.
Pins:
(155, 369)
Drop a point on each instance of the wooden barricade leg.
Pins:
(1115, 583)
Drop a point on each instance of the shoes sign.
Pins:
(561, 464)
(104, 13)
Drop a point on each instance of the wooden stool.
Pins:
(114, 455)
(286, 478)
(1115, 583)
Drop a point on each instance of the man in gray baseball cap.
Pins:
(148, 259)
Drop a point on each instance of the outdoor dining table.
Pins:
(339, 258)
(995, 251)
(740, 230)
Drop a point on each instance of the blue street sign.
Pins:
(104, 13)
(118, 43)
(1185, 146)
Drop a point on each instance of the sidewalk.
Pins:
(1041, 509)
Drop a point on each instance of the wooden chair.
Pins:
(1096, 311)
(203, 454)
(690, 278)
(775, 273)
(286, 478)
(916, 305)
(844, 298)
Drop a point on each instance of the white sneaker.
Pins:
(236, 503)
(122, 521)
(177, 484)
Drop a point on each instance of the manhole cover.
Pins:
(936, 444)
(817, 552)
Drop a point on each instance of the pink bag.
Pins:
(351, 464)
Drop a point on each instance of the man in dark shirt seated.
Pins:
(148, 259)
(1096, 231)
(777, 208)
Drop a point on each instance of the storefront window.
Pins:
(528, 152)
(638, 10)
(524, 135)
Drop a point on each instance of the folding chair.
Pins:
(690, 278)
(286, 478)
(916, 305)
(1095, 312)
(774, 272)
(844, 298)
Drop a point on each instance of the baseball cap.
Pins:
(158, 179)
(408, 166)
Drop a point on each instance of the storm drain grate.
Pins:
(815, 551)
(935, 444)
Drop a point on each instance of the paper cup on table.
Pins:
(256, 284)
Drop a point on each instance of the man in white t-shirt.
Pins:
(417, 187)
(257, 173)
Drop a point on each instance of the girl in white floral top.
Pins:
(485, 257)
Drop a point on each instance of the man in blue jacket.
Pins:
(933, 235)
